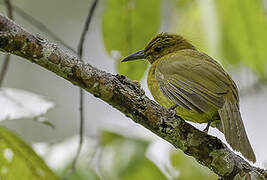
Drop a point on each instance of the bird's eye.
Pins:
(158, 48)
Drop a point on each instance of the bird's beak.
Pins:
(134, 56)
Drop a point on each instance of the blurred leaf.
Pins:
(183, 3)
(18, 104)
(87, 174)
(124, 158)
(145, 169)
(19, 161)
(127, 26)
(187, 21)
(243, 33)
(80, 173)
(189, 169)
(107, 138)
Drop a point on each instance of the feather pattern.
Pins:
(191, 84)
(234, 130)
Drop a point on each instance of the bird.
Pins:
(195, 86)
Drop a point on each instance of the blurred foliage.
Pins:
(240, 26)
(19, 161)
(189, 169)
(243, 27)
(187, 21)
(125, 158)
(182, 3)
(127, 26)
(80, 173)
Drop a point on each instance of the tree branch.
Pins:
(129, 98)
(7, 56)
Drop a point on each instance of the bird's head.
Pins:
(159, 46)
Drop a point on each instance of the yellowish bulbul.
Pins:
(196, 86)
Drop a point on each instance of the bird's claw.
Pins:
(172, 109)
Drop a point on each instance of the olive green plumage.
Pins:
(204, 92)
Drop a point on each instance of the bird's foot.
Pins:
(206, 130)
(172, 109)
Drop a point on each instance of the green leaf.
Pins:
(183, 3)
(189, 169)
(80, 173)
(19, 161)
(127, 26)
(243, 33)
(188, 23)
(145, 169)
(125, 159)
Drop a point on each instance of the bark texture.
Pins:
(128, 97)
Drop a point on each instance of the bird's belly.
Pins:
(182, 112)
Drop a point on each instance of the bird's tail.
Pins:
(234, 130)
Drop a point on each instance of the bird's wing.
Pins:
(193, 82)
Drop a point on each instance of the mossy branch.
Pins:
(126, 96)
